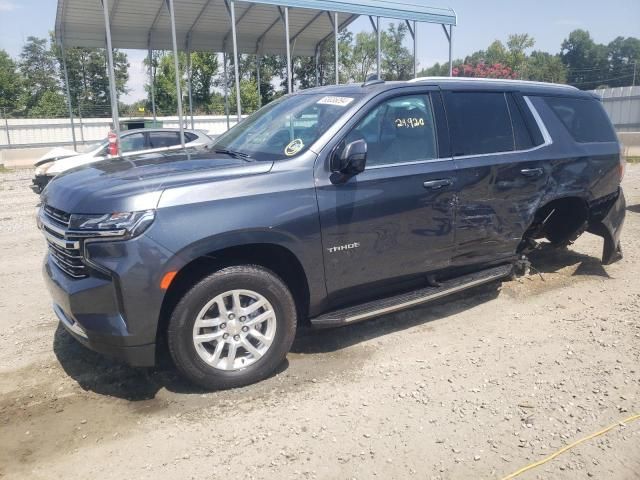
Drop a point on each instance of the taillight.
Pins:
(113, 143)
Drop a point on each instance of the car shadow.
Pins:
(105, 376)
(634, 208)
(548, 259)
(102, 375)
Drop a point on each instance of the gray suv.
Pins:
(329, 206)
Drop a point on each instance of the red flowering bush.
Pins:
(482, 70)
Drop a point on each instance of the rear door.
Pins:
(395, 219)
(501, 171)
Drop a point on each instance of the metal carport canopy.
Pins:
(204, 24)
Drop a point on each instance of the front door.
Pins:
(393, 221)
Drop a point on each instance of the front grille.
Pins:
(68, 259)
(58, 216)
(63, 251)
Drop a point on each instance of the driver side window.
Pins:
(399, 130)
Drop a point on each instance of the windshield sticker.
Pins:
(294, 147)
(409, 122)
(339, 101)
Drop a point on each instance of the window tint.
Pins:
(398, 130)
(163, 139)
(133, 142)
(585, 119)
(189, 137)
(521, 133)
(479, 122)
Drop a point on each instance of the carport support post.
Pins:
(189, 84)
(66, 84)
(152, 84)
(335, 35)
(236, 68)
(317, 58)
(286, 34)
(379, 49)
(113, 94)
(450, 50)
(258, 80)
(172, 16)
(415, 49)
(226, 87)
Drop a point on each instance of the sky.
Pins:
(479, 24)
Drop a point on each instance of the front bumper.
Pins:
(606, 219)
(39, 182)
(87, 309)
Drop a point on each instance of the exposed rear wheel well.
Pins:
(560, 221)
(278, 259)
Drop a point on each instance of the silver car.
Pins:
(142, 140)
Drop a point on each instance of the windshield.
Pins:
(286, 127)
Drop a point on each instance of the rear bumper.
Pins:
(606, 219)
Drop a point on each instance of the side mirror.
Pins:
(352, 159)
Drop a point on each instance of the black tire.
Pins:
(180, 329)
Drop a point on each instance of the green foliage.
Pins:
(397, 61)
(39, 71)
(544, 67)
(10, 84)
(585, 60)
(88, 78)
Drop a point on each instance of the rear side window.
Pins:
(584, 118)
(190, 137)
(163, 139)
(479, 122)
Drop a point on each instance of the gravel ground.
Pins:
(475, 386)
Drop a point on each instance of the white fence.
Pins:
(41, 132)
(623, 106)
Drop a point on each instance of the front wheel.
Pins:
(232, 328)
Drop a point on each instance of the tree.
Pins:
(165, 82)
(624, 58)
(586, 62)
(204, 69)
(544, 67)
(89, 79)
(397, 61)
(39, 72)
(517, 44)
(10, 84)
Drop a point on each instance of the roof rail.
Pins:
(490, 80)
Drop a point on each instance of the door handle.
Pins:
(532, 172)
(436, 184)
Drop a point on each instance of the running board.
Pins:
(376, 308)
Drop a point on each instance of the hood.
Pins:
(55, 154)
(136, 183)
(58, 165)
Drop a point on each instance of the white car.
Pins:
(132, 142)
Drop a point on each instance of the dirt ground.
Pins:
(472, 387)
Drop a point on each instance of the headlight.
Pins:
(42, 169)
(119, 224)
